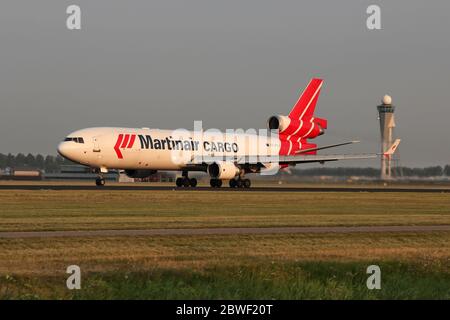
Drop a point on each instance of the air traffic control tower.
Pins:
(387, 125)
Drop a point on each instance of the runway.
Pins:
(225, 189)
(221, 231)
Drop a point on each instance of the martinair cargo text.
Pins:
(224, 156)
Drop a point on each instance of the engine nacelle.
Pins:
(223, 170)
(278, 122)
(139, 174)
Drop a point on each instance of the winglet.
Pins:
(389, 152)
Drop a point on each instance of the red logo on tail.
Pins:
(124, 141)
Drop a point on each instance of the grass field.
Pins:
(82, 210)
(329, 266)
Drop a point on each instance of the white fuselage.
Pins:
(154, 149)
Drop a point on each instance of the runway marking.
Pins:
(252, 189)
(220, 231)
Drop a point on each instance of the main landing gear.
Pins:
(240, 183)
(185, 181)
(215, 183)
(234, 183)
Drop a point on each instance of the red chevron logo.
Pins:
(124, 141)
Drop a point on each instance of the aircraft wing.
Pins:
(293, 159)
(260, 160)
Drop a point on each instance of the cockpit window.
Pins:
(76, 139)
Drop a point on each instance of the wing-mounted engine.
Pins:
(223, 170)
(139, 174)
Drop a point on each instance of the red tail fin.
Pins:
(304, 108)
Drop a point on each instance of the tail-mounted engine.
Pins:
(278, 122)
(305, 129)
(300, 124)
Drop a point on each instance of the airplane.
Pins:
(141, 152)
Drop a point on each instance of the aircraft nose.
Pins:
(67, 149)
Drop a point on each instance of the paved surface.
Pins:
(221, 231)
(225, 188)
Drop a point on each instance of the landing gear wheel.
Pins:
(247, 183)
(185, 181)
(193, 182)
(99, 182)
(215, 183)
(239, 183)
(233, 183)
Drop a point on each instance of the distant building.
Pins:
(79, 172)
(160, 176)
(21, 173)
(124, 178)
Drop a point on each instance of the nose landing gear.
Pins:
(100, 182)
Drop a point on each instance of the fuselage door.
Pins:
(96, 147)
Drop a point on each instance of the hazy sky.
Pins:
(230, 63)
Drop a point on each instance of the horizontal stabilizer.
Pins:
(325, 147)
